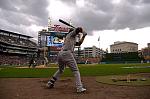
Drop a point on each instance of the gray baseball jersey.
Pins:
(69, 42)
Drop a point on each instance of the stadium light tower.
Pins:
(45, 47)
(49, 23)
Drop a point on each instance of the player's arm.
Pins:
(82, 39)
(72, 32)
(76, 31)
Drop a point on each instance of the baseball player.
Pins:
(66, 57)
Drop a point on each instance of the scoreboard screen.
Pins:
(56, 39)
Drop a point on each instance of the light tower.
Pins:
(49, 23)
(45, 47)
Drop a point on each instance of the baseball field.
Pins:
(29, 83)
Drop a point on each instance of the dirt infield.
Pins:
(33, 88)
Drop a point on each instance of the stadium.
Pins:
(114, 63)
(18, 49)
(15, 48)
(110, 81)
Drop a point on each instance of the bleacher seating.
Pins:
(17, 41)
(15, 48)
(8, 59)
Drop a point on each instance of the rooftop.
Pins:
(14, 33)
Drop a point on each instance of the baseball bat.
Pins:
(66, 23)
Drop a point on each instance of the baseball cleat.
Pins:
(80, 90)
(49, 85)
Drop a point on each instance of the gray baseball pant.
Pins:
(67, 58)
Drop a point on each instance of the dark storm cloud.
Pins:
(16, 18)
(6, 4)
(93, 20)
(145, 1)
(104, 14)
(20, 14)
(33, 9)
(37, 8)
(69, 1)
(132, 15)
(95, 15)
(104, 5)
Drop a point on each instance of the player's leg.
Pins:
(74, 68)
(56, 76)
(30, 64)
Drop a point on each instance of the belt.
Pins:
(67, 50)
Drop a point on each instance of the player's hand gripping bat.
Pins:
(79, 36)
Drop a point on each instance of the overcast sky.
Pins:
(112, 20)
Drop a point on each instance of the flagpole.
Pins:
(99, 42)
(99, 48)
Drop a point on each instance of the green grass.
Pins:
(85, 70)
(138, 82)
